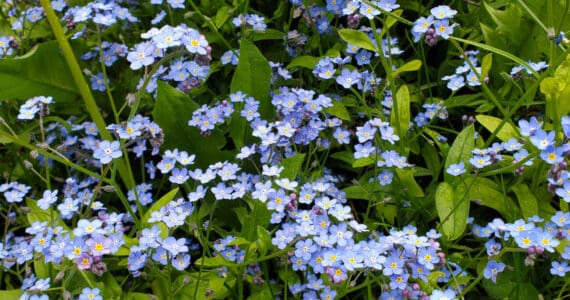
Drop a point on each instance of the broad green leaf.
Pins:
(10, 294)
(338, 110)
(460, 150)
(365, 191)
(42, 71)
(452, 209)
(492, 123)
(171, 112)
(112, 288)
(159, 204)
(408, 182)
(292, 166)
(304, 61)
(215, 261)
(357, 38)
(288, 276)
(258, 215)
(410, 66)
(221, 16)
(484, 191)
(344, 156)
(267, 34)
(527, 200)
(253, 75)
(400, 116)
(363, 162)
(209, 284)
(138, 296)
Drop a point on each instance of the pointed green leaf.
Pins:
(253, 75)
(400, 116)
(304, 61)
(292, 166)
(486, 64)
(460, 150)
(338, 110)
(452, 209)
(492, 123)
(357, 38)
(159, 204)
(410, 66)
(172, 111)
(527, 200)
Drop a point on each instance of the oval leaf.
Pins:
(506, 132)
(357, 38)
(452, 209)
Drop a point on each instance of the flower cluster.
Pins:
(437, 24)
(33, 106)
(469, 72)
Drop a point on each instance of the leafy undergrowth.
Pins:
(284, 149)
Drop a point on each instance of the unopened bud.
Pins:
(108, 188)
(28, 165)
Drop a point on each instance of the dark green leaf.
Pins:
(172, 110)
(253, 75)
(42, 71)
(304, 61)
(292, 166)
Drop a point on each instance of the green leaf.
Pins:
(363, 162)
(221, 16)
(292, 166)
(452, 209)
(410, 66)
(556, 89)
(267, 34)
(263, 240)
(10, 294)
(253, 75)
(338, 110)
(304, 61)
(492, 123)
(484, 191)
(42, 71)
(159, 204)
(527, 200)
(460, 150)
(408, 182)
(400, 116)
(486, 64)
(344, 156)
(357, 38)
(170, 110)
(139, 296)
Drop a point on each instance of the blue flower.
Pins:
(559, 269)
(142, 55)
(493, 269)
(443, 12)
(107, 151)
(348, 78)
(552, 155)
(456, 169)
